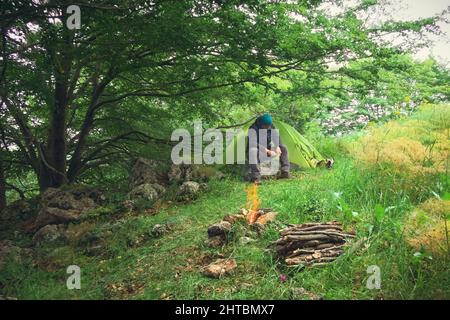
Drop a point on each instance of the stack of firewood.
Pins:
(312, 244)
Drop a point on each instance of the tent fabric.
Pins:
(301, 152)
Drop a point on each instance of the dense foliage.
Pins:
(95, 97)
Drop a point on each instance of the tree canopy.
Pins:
(77, 99)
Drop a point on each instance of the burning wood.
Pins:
(254, 213)
(261, 216)
(218, 232)
(312, 244)
(254, 216)
(252, 203)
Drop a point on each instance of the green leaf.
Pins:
(379, 213)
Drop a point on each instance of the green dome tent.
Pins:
(301, 151)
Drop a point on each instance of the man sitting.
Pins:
(263, 143)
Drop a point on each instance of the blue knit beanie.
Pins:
(266, 119)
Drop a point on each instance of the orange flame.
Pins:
(252, 203)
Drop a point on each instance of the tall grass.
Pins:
(377, 196)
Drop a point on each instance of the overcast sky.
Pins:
(406, 10)
(416, 9)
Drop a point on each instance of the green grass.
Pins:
(136, 265)
(168, 267)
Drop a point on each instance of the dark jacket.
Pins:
(277, 140)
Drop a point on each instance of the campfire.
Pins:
(255, 214)
(252, 215)
(308, 244)
(312, 244)
(252, 203)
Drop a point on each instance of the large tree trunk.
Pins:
(52, 165)
(56, 162)
(2, 186)
(52, 171)
(76, 161)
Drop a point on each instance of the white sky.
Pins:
(406, 10)
(403, 10)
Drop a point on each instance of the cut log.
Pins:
(312, 228)
(315, 254)
(312, 224)
(322, 232)
(326, 246)
(325, 251)
(309, 237)
(298, 260)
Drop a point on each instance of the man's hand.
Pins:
(271, 153)
(278, 151)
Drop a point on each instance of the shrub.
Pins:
(408, 155)
(427, 227)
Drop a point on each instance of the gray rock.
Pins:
(48, 194)
(146, 171)
(49, 233)
(128, 205)
(190, 187)
(50, 215)
(219, 229)
(64, 206)
(159, 230)
(220, 268)
(180, 173)
(147, 191)
(78, 199)
(190, 190)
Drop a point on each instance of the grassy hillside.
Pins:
(382, 181)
